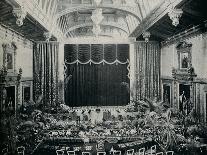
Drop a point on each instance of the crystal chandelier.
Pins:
(96, 30)
(175, 15)
(97, 2)
(97, 18)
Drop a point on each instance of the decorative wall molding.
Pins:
(99, 40)
(166, 78)
(9, 35)
(200, 80)
(189, 33)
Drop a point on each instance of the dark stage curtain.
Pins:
(97, 85)
(96, 75)
(45, 71)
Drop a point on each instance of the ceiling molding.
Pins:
(129, 10)
(106, 39)
(112, 24)
(154, 16)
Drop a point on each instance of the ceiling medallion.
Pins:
(146, 36)
(175, 15)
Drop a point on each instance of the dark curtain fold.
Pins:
(97, 85)
(147, 59)
(45, 71)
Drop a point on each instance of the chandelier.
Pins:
(96, 30)
(97, 2)
(97, 18)
(175, 15)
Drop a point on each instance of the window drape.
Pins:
(45, 71)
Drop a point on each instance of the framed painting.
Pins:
(184, 55)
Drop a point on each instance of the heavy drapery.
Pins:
(147, 65)
(46, 72)
(97, 75)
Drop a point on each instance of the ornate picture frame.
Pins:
(184, 51)
(9, 57)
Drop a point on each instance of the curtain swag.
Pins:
(96, 54)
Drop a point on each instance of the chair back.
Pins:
(159, 153)
(59, 152)
(86, 153)
(101, 153)
(70, 152)
(130, 152)
(20, 150)
(116, 152)
(142, 151)
(169, 152)
(153, 149)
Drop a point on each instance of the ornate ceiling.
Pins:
(65, 19)
(120, 17)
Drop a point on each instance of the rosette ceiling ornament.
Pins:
(97, 18)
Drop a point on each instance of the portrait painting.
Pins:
(184, 60)
(9, 61)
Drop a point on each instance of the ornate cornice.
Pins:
(184, 75)
(9, 35)
(47, 36)
(188, 33)
(146, 36)
(20, 13)
(175, 15)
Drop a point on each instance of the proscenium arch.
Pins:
(82, 8)
(91, 24)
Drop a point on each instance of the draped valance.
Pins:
(96, 53)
